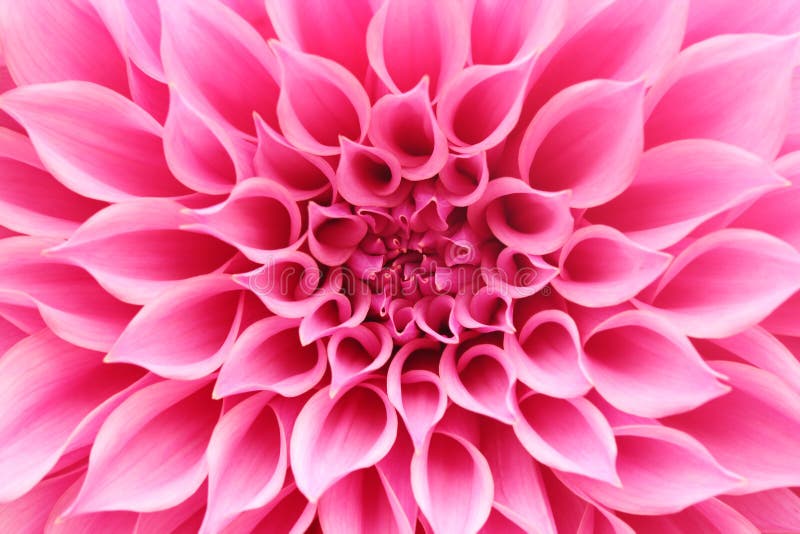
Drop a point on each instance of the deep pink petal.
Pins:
(770, 510)
(354, 353)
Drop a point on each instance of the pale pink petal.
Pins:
(771, 510)
(149, 93)
(481, 105)
(405, 125)
(354, 353)
(136, 249)
(453, 484)
(661, 471)
(290, 512)
(334, 232)
(726, 282)
(410, 39)
(96, 142)
(760, 414)
(588, 139)
(362, 503)
(369, 176)
(682, 184)
(149, 453)
(641, 365)
(198, 39)
(733, 88)
(334, 437)
(716, 17)
(599, 266)
(320, 101)
(547, 355)
(247, 459)
(711, 516)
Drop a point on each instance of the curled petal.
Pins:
(288, 285)
(463, 179)
(334, 437)
(661, 471)
(726, 282)
(290, 512)
(96, 142)
(344, 308)
(334, 232)
(131, 248)
(247, 460)
(268, 356)
(517, 274)
(149, 453)
(368, 176)
(435, 315)
(405, 125)
(355, 352)
(600, 267)
(117, 521)
(410, 39)
(320, 102)
(486, 310)
(707, 19)
(682, 184)
(186, 332)
(400, 316)
(641, 365)
(569, 435)
(696, 99)
(199, 37)
(587, 139)
(452, 484)
(33, 508)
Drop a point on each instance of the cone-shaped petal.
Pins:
(334, 232)
(435, 316)
(355, 352)
(463, 179)
(368, 176)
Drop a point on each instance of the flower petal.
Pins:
(290, 512)
(716, 17)
(369, 176)
(355, 352)
(710, 516)
(334, 232)
(770, 510)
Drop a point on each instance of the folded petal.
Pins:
(682, 184)
(369, 176)
(247, 460)
(52, 41)
(452, 484)
(96, 142)
(29, 514)
(290, 512)
(463, 179)
(199, 38)
(340, 307)
(320, 101)
(641, 365)
(732, 88)
(717, 17)
(569, 435)
(178, 518)
(661, 471)
(334, 232)
(288, 285)
(726, 282)
(435, 316)
(588, 139)
(362, 503)
(355, 352)
(599, 266)
(547, 355)
(10, 334)
(117, 521)
(149, 453)
(750, 430)
(334, 437)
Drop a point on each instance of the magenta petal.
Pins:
(770, 510)
(463, 179)
(29, 514)
(289, 512)
(369, 176)
(334, 232)
(116, 521)
(707, 19)
(356, 352)
(707, 516)
(176, 519)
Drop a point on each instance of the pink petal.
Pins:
(641, 365)
(394, 471)
(136, 249)
(343, 306)
(93, 140)
(368, 176)
(362, 503)
(10, 334)
(334, 232)
(334, 437)
(410, 39)
(247, 460)
(481, 105)
(36, 374)
(599, 267)
(288, 285)
(268, 356)
(588, 139)
(716, 17)
(500, 524)
(290, 512)
(121, 521)
(254, 12)
(661, 471)
(712, 288)
(486, 310)
(453, 484)
(710, 516)
(307, 26)
(734, 89)
(320, 101)
(197, 39)
(174, 519)
(29, 513)
(149, 453)
(186, 332)
(770, 510)
(405, 125)
(304, 175)
(682, 184)
(52, 41)
(600, 521)
(547, 354)
(760, 414)
(435, 316)
(463, 179)
(569, 435)
(356, 352)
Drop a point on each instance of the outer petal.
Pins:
(116, 521)
(711, 516)
(726, 282)
(149, 453)
(731, 88)
(453, 484)
(771, 510)
(682, 184)
(29, 513)
(93, 140)
(599, 267)
(716, 17)
(334, 437)
(188, 513)
(588, 139)
(290, 512)
(661, 471)
(641, 365)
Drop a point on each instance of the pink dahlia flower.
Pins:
(400, 266)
